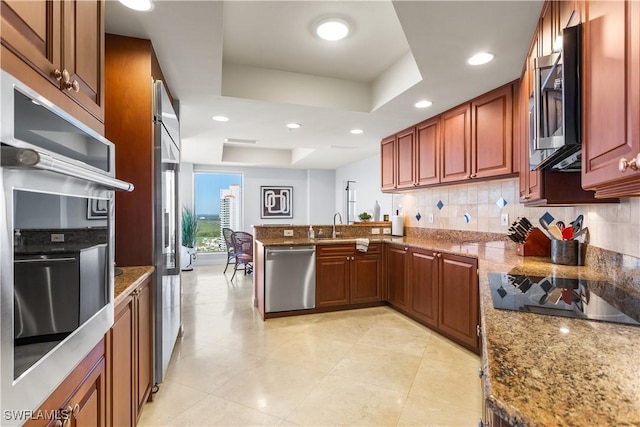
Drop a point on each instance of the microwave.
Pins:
(57, 237)
(555, 107)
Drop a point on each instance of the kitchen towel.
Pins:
(362, 245)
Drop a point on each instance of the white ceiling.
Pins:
(259, 64)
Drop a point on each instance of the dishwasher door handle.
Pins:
(290, 251)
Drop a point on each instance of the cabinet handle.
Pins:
(76, 410)
(74, 85)
(439, 255)
(467, 176)
(473, 175)
(57, 74)
(527, 196)
(480, 372)
(633, 164)
(435, 254)
(478, 330)
(58, 423)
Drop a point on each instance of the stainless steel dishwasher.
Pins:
(290, 278)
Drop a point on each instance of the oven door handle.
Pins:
(14, 157)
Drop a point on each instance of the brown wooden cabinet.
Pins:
(57, 48)
(388, 163)
(456, 144)
(439, 290)
(130, 355)
(611, 104)
(427, 152)
(80, 400)
(397, 289)
(345, 276)
(405, 154)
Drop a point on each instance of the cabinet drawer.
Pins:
(335, 250)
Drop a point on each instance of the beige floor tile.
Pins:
(214, 411)
(421, 412)
(380, 367)
(440, 348)
(210, 367)
(340, 329)
(171, 400)
(312, 352)
(341, 402)
(275, 387)
(449, 382)
(397, 338)
(259, 342)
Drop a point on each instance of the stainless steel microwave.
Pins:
(57, 185)
(555, 107)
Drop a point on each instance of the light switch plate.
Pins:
(375, 231)
(430, 218)
(288, 233)
(386, 230)
(504, 219)
(57, 238)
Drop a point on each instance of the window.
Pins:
(218, 205)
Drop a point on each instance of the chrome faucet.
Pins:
(333, 233)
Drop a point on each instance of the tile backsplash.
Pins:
(479, 206)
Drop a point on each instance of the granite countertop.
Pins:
(299, 241)
(54, 248)
(130, 278)
(545, 370)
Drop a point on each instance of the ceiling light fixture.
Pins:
(240, 141)
(332, 29)
(294, 125)
(356, 131)
(423, 104)
(220, 118)
(139, 5)
(480, 58)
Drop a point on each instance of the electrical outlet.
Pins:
(504, 219)
(288, 233)
(430, 218)
(386, 230)
(57, 238)
(375, 231)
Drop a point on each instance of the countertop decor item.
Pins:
(364, 216)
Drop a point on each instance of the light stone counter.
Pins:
(537, 373)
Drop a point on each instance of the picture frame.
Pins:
(97, 209)
(276, 202)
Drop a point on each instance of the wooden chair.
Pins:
(243, 251)
(226, 233)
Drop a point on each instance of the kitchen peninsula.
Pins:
(538, 369)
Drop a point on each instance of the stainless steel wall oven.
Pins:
(56, 245)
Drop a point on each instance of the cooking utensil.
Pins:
(560, 225)
(576, 224)
(526, 222)
(584, 231)
(555, 231)
(545, 226)
(567, 233)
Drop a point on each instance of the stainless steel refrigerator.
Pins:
(167, 297)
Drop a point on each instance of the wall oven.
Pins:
(56, 245)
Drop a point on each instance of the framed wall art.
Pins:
(276, 202)
(97, 209)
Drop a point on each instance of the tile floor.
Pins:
(368, 367)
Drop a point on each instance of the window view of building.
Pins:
(218, 205)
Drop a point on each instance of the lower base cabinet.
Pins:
(346, 276)
(80, 401)
(437, 289)
(130, 356)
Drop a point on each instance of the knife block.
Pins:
(536, 244)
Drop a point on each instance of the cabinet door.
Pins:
(405, 142)
(611, 89)
(387, 163)
(84, 52)
(459, 300)
(427, 151)
(366, 275)
(397, 291)
(332, 280)
(423, 285)
(121, 358)
(144, 343)
(89, 404)
(456, 144)
(492, 139)
(32, 31)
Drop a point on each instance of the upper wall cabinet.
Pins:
(57, 48)
(611, 88)
(473, 140)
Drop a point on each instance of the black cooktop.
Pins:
(554, 296)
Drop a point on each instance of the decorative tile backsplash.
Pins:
(615, 227)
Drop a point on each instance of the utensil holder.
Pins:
(564, 252)
(536, 244)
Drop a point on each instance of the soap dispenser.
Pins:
(312, 234)
(18, 240)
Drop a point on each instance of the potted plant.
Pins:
(189, 230)
(364, 216)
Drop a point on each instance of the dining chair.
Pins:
(243, 252)
(226, 233)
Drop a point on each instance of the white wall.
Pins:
(366, 173)
(312, 191)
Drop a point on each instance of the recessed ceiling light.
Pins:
(332, 29)
(294, 125)
(139, 5)
(220, 118)
(480, 58)
(423, 104)
(356, 131)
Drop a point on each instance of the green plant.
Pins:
(189, 227)
(364, 216)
